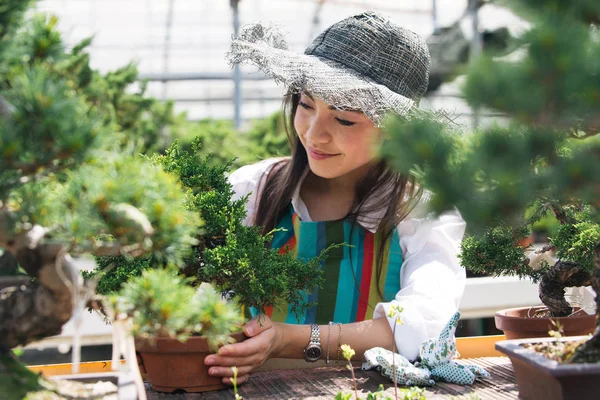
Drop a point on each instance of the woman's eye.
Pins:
(304, 105)
(345, 122)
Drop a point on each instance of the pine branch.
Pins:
(561, 215)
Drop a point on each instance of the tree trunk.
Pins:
(563, 274)
(36, 310)
(32, 312)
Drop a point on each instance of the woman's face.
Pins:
(336, 142)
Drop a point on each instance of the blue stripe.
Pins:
(306, 250)
(282, 237)
(320, 238)
(346, 284)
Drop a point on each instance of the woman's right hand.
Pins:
(264, 341)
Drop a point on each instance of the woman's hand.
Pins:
(264, 340)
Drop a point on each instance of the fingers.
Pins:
(240, 380)
(255, 327)
(229, 362)
(246, 348)
(227, 372)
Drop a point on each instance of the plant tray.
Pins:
(540, 378)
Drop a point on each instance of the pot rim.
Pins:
(169, 344)
(503, 313)
(513, 348)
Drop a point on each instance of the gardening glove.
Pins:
(437, 354)
(383, 360)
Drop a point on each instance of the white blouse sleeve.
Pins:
(431, 278)
(246, 181)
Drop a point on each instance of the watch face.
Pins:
(312, 352)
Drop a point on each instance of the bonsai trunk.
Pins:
(590, 350)
(39, 309)
(562, 275)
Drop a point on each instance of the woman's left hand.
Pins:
(264, 339)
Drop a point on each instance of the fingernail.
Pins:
(208, 361)
(249, 331)
(212, 371)
(223, 351)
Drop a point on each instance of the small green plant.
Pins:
(396, 313)
(234, 382)
(558, 332)
(348, 353)
(161, 303)
(411, 393)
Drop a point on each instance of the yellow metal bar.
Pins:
(66, 369)
(478, 346)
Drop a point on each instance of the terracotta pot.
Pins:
(525, 242)
(540, 378)
(171, 365)
(518, 323)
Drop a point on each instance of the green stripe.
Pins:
(334, 233)
(392, 283)
(384, 269)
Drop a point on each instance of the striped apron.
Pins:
(350, 292)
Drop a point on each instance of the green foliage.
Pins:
(235, 258)
(209, 191)
(121, 269)
(218, 138)
(258, 276)
(539, 167)
(163, 304)
(16, 380)
(410, 393)
(67, 150)
(497, 252)
(33, 137)
(11, 16)
(576, 242)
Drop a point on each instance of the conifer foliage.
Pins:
(544, 160)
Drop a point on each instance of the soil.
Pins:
(557, 351)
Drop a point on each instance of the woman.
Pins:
(333, 189)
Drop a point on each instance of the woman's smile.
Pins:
(319, 155)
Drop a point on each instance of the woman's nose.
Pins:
(317, 132)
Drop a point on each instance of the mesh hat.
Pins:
(364, 62)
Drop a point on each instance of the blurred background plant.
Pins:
(544, 161)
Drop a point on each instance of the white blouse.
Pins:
(431, 277)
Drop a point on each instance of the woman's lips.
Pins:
(317, 155)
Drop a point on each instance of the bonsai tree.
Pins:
(545, 159)
(233, 257)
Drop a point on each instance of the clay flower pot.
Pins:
(540, 378)
(519, 323)
(171, 365)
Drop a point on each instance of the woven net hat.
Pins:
(364, 62)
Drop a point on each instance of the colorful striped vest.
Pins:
(350, 290)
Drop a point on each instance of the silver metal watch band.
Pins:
(315, 334)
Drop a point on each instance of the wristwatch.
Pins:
(312, 352)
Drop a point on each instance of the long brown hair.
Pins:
(276, 190)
